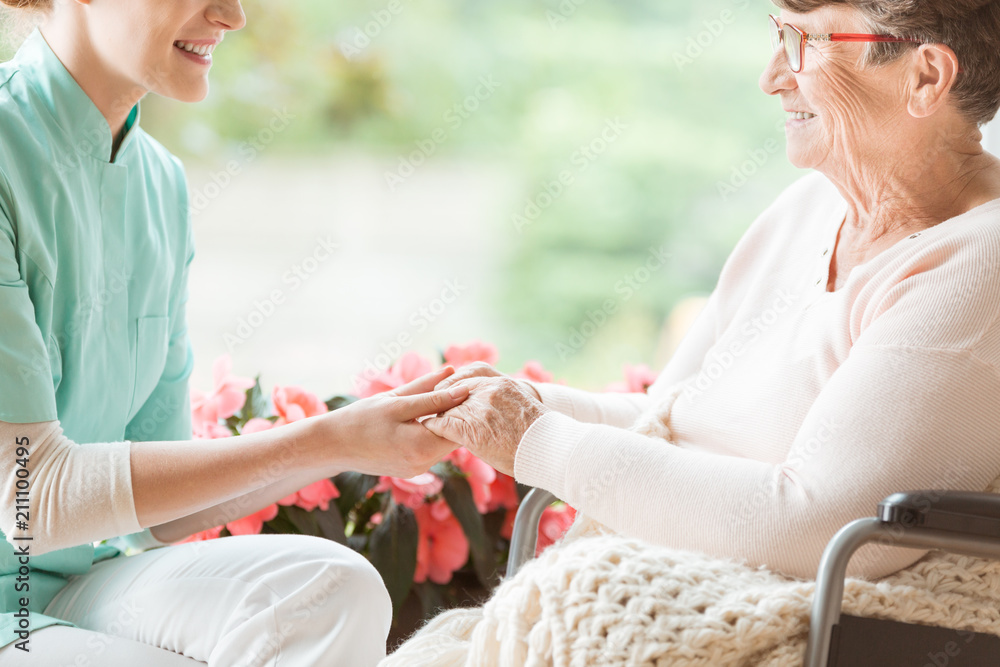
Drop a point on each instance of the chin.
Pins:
(190, 94)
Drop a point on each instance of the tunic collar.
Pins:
(86, 127)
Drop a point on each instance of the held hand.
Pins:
(381, 435)
(481, 369)
(492, 421)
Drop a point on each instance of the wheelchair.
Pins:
(954, 521)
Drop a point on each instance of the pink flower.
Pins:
(225, 400)
(637, 380)
(408, 368)
(295, 403)
(318, 494)
(461, 355)
(503, 493)
(442, 547)
(507, 529)
(210, 534)
(411, 492)
(251, 525)
(533, 371)
(256, 425)
(556, 520)
(479, 474)
(210, 430)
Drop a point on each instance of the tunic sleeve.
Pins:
(26, 390)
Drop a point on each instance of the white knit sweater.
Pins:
(787, 410)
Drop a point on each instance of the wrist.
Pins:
(314, 443)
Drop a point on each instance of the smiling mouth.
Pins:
(800, 115)
(203, 50)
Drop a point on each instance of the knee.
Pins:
(347, 587)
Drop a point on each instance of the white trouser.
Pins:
(240, 601)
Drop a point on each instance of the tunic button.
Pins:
(825, 251)
(915, 236)
(819, 281)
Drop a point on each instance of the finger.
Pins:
(423, 383)
(449, 428)
(421, 405)
(470, 371)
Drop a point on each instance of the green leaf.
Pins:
(331, 524)
(445, 469)
(458, 493)
(353, 487)
(281, 524)
(337, 402)
(256, 403)
(393, 552)
(302, 519)
(433, 598)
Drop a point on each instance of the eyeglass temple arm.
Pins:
(853, 37)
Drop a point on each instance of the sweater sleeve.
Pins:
(612, 408)
(850, 453)
(75, 494)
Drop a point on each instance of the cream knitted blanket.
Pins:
(596, 598)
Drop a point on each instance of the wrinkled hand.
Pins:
(382, 434)
(481, 369)
(492, 420)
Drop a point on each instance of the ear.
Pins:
(933, 73)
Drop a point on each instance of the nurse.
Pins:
(95, 247)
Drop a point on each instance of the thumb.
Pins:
(431, 403)
(449, 428)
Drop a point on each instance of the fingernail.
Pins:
(458, 391)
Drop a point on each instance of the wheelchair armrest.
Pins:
(524, 537)
(966, 512)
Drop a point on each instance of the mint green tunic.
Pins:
(94, 258)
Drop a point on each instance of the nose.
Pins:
(228, 13)
(777, 75)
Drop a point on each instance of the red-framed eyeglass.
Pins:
(794, 40)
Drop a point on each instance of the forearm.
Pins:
(173, 480)
(239, 507)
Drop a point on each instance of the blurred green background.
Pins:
(369, 82)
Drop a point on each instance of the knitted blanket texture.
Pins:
(599, 598)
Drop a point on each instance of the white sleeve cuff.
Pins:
(543, 456)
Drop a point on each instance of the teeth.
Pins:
(203, 50)
(802, 115)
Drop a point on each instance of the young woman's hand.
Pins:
(382, 435)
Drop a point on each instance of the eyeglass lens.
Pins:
(792, 41)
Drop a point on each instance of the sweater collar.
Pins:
(73, 111)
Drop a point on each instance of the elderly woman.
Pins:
(851, 348)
